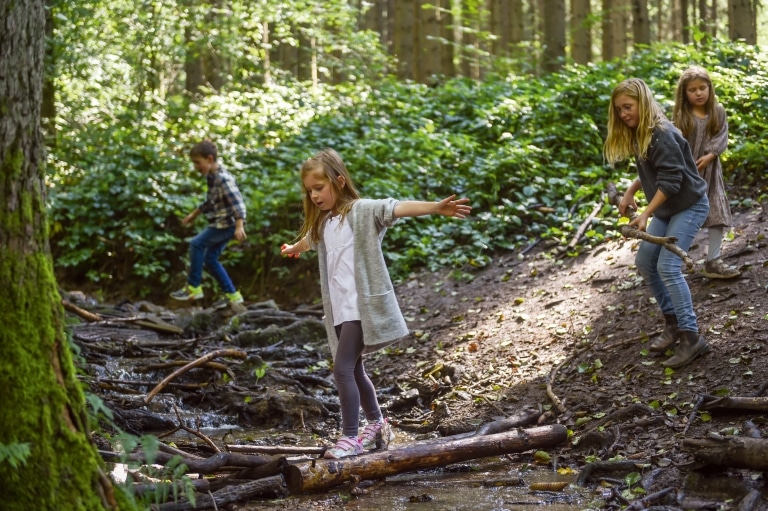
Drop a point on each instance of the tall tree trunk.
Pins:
(403, 40)
(581, 31)
(42, 399)
(554, 34)
(685, 21)
(641, 24)
(517, 30)
(614, 22)
(48, 110)
(703, 17)
(445, 19)
(741, 21)
(430, 48)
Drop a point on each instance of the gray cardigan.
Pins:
(670, 167)
(382, 321)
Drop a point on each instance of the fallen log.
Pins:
(735, 403)
(520, 419)
(175, 487)
(319, 475)
(194, 466)
(730, 451)
(268, 487)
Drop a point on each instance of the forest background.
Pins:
(504, 102)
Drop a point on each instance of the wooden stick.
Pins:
(197, 433)
(582, 229)
(87, 315)
(192, 365)
(667, 242)
(274, 449)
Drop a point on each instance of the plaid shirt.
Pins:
(223, 203)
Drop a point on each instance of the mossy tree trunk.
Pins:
(42, 402)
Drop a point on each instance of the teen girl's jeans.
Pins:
(662, 270)
(205, 249)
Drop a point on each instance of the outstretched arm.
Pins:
(295, 250)
(450, 206)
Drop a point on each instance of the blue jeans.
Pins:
(662, 270)
(205, 249)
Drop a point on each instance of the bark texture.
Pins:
(43, 404)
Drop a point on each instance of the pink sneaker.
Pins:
(346, 446)
(377, 435)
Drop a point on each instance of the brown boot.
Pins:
(667, 337)
(692, 346)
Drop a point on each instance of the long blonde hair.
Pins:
(622, 141)
(331, 165)
(682, 113)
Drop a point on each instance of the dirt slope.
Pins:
(499, 336)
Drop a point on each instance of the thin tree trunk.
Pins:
(554, 34)
(403, 40)
(741, 21)
(430, 61)
(42, 398)
(641, 26)
(685, 22)
(581, 31)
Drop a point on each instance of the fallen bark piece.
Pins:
(730, 451)
(751, 501)
(646, 501)
(601, 468)
(321, 474)
(735, 403)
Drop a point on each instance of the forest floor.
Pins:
(567, 340)
(500, 336)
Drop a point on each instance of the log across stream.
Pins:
(317, 475)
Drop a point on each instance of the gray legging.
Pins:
(354, 386)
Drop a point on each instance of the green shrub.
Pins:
(527, 152)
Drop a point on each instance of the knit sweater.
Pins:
(669, 166)
(382, 321)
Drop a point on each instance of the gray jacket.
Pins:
(382, 321)
(670, 167)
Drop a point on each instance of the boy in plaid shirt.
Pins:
(225, 211)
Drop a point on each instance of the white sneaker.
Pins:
(346, 446)
(377, 435)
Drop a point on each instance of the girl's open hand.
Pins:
(450, 206)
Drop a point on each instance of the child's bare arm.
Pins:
(450, 206)
(295, 250)
(191, 217)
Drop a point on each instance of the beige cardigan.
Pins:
(382, 321)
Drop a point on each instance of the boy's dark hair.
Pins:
(205, 149)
